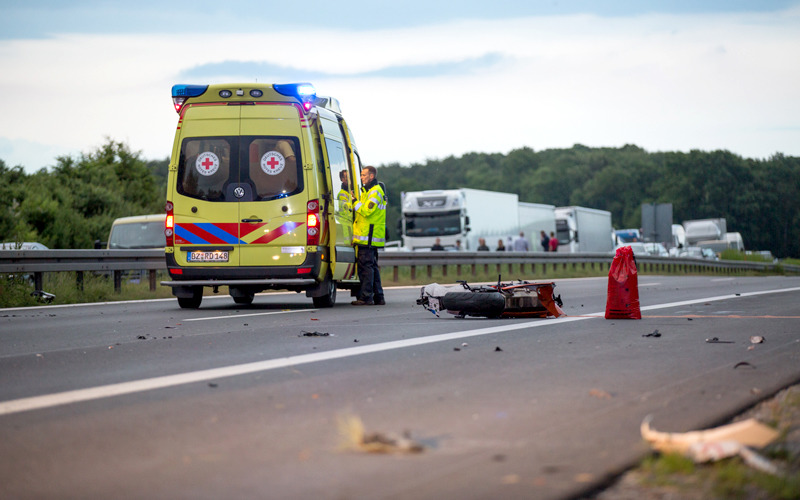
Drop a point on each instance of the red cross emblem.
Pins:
(272, 163)
(207, 163)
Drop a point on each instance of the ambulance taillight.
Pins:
(180, 93)
(312, 223)
(169, 224)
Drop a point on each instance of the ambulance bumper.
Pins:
(267, 283)
(305, 274)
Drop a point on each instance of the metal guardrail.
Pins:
(544, 261)
(37, 262)
(115, 262)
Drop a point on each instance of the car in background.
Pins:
(656, 249)
(137, 232)
(698, 253)
(28, 245)
(710, 254)
(691, 252)
(638, 248)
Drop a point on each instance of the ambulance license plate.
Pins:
(200, 256)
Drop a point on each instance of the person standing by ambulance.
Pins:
(369, 234)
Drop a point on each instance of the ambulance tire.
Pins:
(246, 300)
(329, 299)
(489, 304)
(194, 301)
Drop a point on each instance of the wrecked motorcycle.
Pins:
(520, 299)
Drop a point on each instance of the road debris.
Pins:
(748, 432)
(653, 334)
(716, 340)
(42, 296)
(757, 339)
(355, 438)
(715, 444)
(600, 394)
(745, 364)
(315, 334)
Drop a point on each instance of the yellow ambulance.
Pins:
(258, 193)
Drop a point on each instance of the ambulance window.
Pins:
(204, 167)
(339, 175)
(273, 165)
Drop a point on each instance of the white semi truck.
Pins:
(470, 214)
(581, 229)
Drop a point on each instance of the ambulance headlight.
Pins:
(225, 93)
(256, 93)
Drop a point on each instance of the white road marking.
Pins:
(134, 386)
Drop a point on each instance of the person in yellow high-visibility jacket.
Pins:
(369, 234)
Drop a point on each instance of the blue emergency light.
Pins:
(302, 91)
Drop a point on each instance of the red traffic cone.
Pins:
(623, 287)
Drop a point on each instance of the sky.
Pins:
(416, 80)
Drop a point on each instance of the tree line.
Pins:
(73, 203)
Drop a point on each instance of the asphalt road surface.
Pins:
(146, 400)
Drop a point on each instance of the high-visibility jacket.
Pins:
(369, 226)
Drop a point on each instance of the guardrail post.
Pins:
(395, 274)
(118, 281)
(79, 280)
(413, 272)
(152, 280)
(458, 269)
(38, 281)
(430, 271)
(444, 270)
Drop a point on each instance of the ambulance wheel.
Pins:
(329, 299)
(194, 301)
(245, 300)
(489, 304)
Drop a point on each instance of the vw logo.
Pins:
(238, 192)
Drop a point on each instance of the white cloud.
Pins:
(662, 82)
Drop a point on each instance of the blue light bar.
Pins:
(188, 90)
(302, 91)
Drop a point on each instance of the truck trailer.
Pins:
(467, 215)
(581, 229)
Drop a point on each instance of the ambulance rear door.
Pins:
(206, 217)
(273, 215)
(341, 175)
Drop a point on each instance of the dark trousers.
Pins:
(369, 274)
